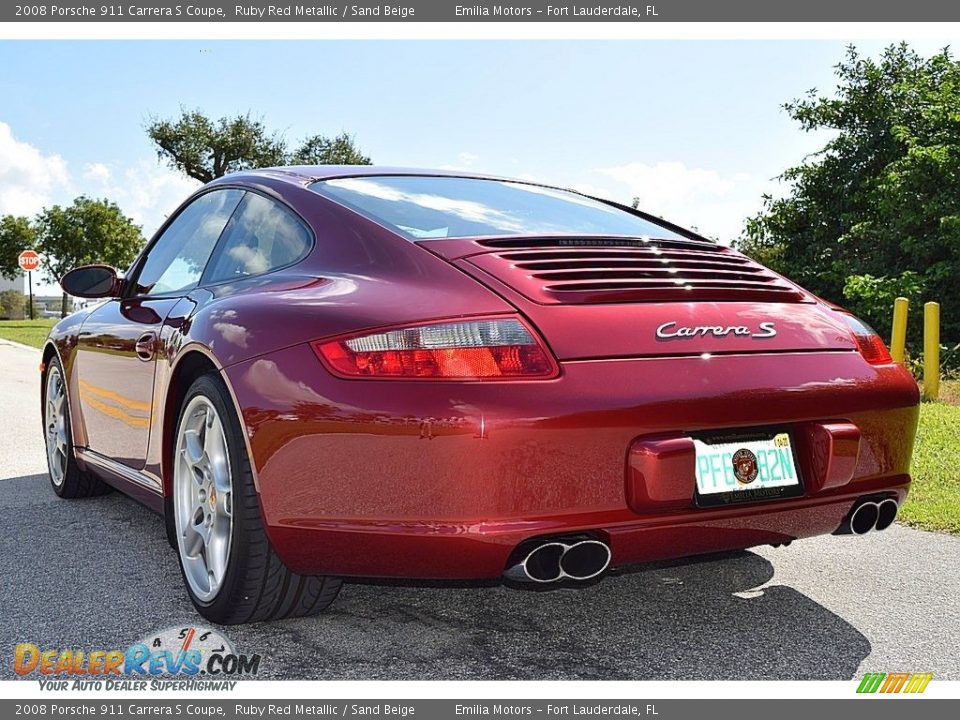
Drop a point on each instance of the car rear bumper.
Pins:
(483, 550)
(444, 480)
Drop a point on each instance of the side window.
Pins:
(177, 259)
(262, 236)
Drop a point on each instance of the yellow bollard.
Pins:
(931, 350)
(898, 337)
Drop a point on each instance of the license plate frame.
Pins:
(747, 495)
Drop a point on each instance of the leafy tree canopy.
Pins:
(12, 305)
(206, 149)
(88, 231)
(16, 235)
(876, 213)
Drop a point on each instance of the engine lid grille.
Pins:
(601, 270)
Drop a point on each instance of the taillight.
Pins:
(495, 348)
(869, 343)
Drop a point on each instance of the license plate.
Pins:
(745, 470)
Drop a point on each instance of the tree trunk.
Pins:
(63, 306)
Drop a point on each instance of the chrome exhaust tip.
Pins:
(886, 514)
(565, 558)
(864, 518)
(540, 565)
(585, 560)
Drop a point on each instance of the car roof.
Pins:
(301, 174)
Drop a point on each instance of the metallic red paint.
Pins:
(456, 476)
(443, 480)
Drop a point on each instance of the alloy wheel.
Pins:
(203, 498)
(55, 423)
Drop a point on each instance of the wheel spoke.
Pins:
(196, 534)
(203, 530)
(213, 436)
(220, 474)
(192, 446)
(216, 553)
(193, 547)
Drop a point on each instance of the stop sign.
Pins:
(28, 260)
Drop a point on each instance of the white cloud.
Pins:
(670, 184)
(598, 191)
(465, 161)
(31, 180)
(28, 178)
(96, 172)
(714, 204)
(144, 190)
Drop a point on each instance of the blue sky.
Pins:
(694, 128)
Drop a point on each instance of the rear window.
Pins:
(421, 207)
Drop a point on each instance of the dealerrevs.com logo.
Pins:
(180, 658)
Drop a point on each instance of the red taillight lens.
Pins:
(869, 343)
(499, 348)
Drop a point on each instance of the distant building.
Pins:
(19, 284)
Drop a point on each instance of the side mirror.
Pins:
(92, 281)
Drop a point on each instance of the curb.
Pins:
(14, 343)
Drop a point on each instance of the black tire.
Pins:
(76, 483)
(256, 586)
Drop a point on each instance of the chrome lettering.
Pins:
(670, 331)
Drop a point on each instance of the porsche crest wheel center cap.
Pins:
(744, 466)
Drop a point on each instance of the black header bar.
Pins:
(450, 11)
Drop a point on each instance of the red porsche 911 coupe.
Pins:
(324, 372)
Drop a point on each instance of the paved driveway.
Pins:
(98, 574)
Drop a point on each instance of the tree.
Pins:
(12, 305)
(875, 213)
(205, 149)
(320, 150)
(16, 235)
(88, 231)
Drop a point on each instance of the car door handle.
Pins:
(146, 345)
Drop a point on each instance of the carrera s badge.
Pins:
(670, 331)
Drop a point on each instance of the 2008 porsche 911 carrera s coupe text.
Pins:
(324, 372)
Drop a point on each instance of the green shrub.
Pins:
(13, 305)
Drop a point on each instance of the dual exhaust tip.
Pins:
(550, 561)
(871, 515)
(554, 560)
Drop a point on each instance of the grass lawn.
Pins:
(950, 392)
(28, 332)
(934, 500)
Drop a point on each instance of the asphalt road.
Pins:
(99, 574)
